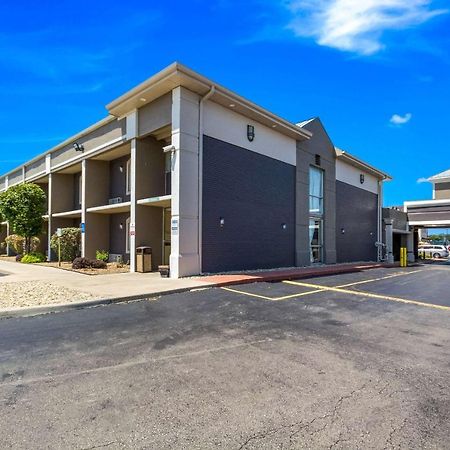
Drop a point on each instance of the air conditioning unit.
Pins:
(115, 200)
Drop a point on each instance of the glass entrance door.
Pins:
(315, 240)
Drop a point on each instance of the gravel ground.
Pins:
(34, 293)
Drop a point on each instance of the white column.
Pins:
(133, 206)
(389, 240)
(185, 255)
(83, 207)
(49, 223)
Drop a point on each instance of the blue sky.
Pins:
(377, 72)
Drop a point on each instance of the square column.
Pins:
(185, 253)
(389, 240)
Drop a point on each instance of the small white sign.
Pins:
(174, 226)
(59, 232)
(132, 229)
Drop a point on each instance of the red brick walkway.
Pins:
(289, 274)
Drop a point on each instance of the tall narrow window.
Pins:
(316, 214)
(168, 173)
(128, 177)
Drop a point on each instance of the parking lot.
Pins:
(358, 360)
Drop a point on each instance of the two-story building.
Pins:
(210, 180)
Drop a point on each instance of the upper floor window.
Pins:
(315, 191)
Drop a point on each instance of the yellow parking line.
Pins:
(401, 274)
(368, 294)
(273, 299)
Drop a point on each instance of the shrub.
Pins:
(70, 243)
(86, 263)
(102, 255)
(2, 247)
(33, 258)
(17, 243)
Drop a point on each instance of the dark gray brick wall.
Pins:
(255, 195)
(356, 213)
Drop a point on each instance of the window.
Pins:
(128, 180)
(316, 214)
(127, 237)
(315, 191)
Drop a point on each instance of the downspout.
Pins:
(380, 220)
(200, 172)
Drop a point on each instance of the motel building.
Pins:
(210, 181)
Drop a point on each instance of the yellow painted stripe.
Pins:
(370, 295)
(401, 274)
(273, 299)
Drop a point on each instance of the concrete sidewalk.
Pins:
(101, 286)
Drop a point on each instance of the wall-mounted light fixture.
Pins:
(283, 226)
(361, 178)
(121, 168)
(121, 226)
(222, 222)
(78, 147)
(250, 132)
(342, 230)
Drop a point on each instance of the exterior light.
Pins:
(121, 226)
(342, 230)
(232, 105)
(283, 226)
(274, 125)
(222, 222)
(142, 99)
(121, 168)
(78, 147)
(361, 178)
(250, 132)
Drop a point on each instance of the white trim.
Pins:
(153, 200)
(426, 203)
(36, 176)
(83, 207)
(108, 207)
(430, 223)
(75, 212)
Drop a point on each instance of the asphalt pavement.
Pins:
(350, 361)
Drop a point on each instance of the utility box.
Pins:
(143, 259)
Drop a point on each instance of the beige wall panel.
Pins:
(62, 192)
(149, 169)
(442, 191)
(97, 183)
(149, 232)
(155, 115)
(15, 177)
(96, 138)
(97, 233)
(35, 168)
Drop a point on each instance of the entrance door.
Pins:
(315, 240)
(167, 235)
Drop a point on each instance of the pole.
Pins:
(59, 251)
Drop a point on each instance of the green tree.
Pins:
(23, 206)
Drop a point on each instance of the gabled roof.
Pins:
(443, 176)
(360, 164)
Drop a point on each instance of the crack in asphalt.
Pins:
(301, 425)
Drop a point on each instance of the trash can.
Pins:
(143, 259)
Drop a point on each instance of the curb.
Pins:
(297, 276)
(61, 307)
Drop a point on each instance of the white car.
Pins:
(434, 251)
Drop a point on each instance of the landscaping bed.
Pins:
(35, 293)
(110, 268)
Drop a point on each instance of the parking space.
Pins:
(419, 286)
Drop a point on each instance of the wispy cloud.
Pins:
(422, 180)
(399, 120)
(357, 26)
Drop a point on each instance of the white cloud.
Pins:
(357, 25)
(422, 180)
(396, 119)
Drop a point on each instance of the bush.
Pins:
(102, 255)
(17, 243)
(33, 258)
(70, 243)
(86, 263)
